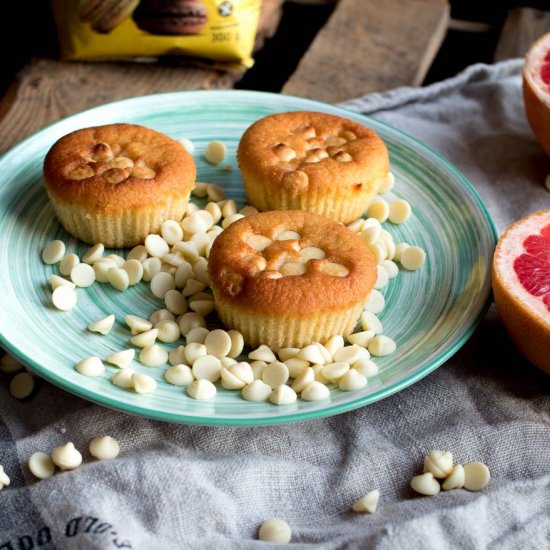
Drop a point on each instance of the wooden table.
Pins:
(366, 46)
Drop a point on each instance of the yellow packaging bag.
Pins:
(215, 30)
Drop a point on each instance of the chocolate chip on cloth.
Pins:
(171, 17)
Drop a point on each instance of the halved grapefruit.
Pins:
(536, 90)
(521, 286)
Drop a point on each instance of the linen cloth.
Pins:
(177, 486)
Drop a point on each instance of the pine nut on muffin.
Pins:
(312, 161)
(117, 183)
(288, 278)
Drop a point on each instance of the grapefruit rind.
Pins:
(525, 317)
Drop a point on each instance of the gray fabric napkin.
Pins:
(199, 487)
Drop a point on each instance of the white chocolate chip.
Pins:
(201, 390)
(171, 231)
(379, 209)
(275, 374)
(91, 366)
(179, 375)
(352, 380)
(138, 253)
(183, 274)
(425, 484)
(369, 321)
(177, 356)
(93, 254)
(476, 476)
(190, 320)
(380, 346)
(275, 530)
(119, 279)
(349, 354)
(56, 280)
(143, 383)
(258, 368)
(175, 302)
(248, 210)
(228, 362)
(311, 353)
(22, 385)
(387, 183)
(200, 271)
(378, 251)
(303, 380)
(318, 373)
(169, 331)
(151, 266)
(287, 353)
(361, 339)
(256, 391)
(262, 353)
(439, 463)
(218, 343)
(161, 283)
(455, 479)
(215, 211)
(229, 208)
(400, 211)
(145, 339)
(41, 465)
(215, 152)
(237, 343)
(119, 260)
(66, 457)
(64, 298)
(54, 252)
(188, 146)
(101, 268)
(315, 392)
(230, 381)
(283, 395)
(391, 268)
(103, 326)
(67, 263)
(413, 258)
(122, 358)
(215, 192)
(357, 225)
(192, 287)
(334, 344)
(197, 335)
(399, 249)
(137, 324)
(375, 302)
(207, 367)
(123, 378)
(4, 478)
(368, 503)
(366, 367)
(335, 371)
(193, 351)
(371, 230)
(231, 219)
(83, 275)
(198, 222)
(156, 246)
(134, 269)
(382, 277)
(104, 447)
(295, 366)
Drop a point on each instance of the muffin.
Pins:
(312, 161)
(115, 184)
(289, 278)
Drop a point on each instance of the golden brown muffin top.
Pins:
(291, 263)
(302, 150)
(116, 167)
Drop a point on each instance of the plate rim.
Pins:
(290, 417)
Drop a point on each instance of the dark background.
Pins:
(35, 36)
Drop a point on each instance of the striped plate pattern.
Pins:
(430, 313)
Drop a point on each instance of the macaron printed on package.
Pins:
(215, 30)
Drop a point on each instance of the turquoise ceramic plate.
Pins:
(430, 313)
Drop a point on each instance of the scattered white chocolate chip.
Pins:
(382, 277)
(476, 476)
(9, 364)
(137, 324)
(119, 279)
(103, 326)
(303, 380)
(399, 249)
(439, 463)
(67, 263)
(311, 353)
(101, 268)
(175, 302)
(189, 321)
(425, 484)
(193, 351)
(387, 183)
(348, 354)
(379, 209)
(368, 503)
(230, 381)
(93, 254)
(243, 371)
(197, 335)
(335, 371)
(53, 252)
(275, 530)
(153, 356)
(257, 391)
(215, 152)
(177, 356)
(287, 353)
(83, 275)
(169, 331)
(361, 338)
(275, 374)
(22, 385)
(258, 368)
(237, 343)
(400, 211)
(134, 269)
(455, 479)
(123, 378)
(91, 366)
(366, 367)
(122, 358)
(201, 389)
(334, 344)
(66, 457)
(151, 266)
(156, 246)
(207, 367)
(231, 219)
(391, 268)
(179, 375)
(161, 283)
(352, 380)
(295, 366)
(371, 230)
(41, 465)
(315, 392)
(191, 287)
(413, 258)
(381, 345)
(369, 321)
(119, 260)
(145, 339)
(218, 343)
(56, 280)
(262, 353)
(227, 362)
(138, 253)
(104, 447)
(188, 146)
(171, 231)
(142, 383)
(283, 395)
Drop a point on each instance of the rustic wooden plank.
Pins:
(369, 46)
(521, 28)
